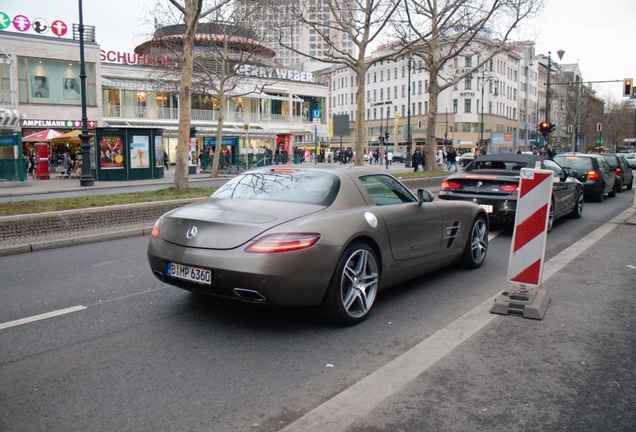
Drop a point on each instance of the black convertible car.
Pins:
(492, 181)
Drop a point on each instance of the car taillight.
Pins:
(275, 243)
(448, 185)
(593, 175)
(156, 229)
(509, 187)
(618, 171)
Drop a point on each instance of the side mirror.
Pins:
(570, 172)
(424, 196)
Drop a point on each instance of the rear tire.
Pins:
(620, 187)
(577, 211)
(477, 244)
(353, 286)
(612, 193)
(600, 194)
(551, 216)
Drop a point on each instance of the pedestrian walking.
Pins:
(166, 161)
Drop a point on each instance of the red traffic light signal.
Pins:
(627, 87)
(544, 127)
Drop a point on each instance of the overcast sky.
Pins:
(599, 35)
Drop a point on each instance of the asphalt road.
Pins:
(136, 354)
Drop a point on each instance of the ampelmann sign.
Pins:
(272, 73)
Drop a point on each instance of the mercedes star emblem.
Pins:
(191, 232)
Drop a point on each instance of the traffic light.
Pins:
(552, 126)
(544, 127)
(386, 135)
(627, 87)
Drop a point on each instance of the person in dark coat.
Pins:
(417, 160)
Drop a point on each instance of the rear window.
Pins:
(612, 161)
(300, 186)
(481, 164)
(574, 162)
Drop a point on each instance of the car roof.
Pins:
(590, 155)
(521, 158)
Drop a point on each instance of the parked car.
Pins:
(466, 158)
(329, 238)
(622, 170)
(593, 171)
(631, 160)
(492, 181)
(399, 157)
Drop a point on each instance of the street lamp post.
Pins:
(483, 85)
(547, 100)
(408, 119)
(86, 179)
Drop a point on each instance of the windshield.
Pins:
(301, 186)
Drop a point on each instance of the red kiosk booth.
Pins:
(41, 161)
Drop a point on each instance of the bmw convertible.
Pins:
(329, 238)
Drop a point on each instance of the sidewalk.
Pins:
(55, 184)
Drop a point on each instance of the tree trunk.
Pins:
(185, 104)
(431, 140)
(360, 104)
(219, 135)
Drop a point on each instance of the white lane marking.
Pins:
(359, 400)
(493, 234)
(41, 317)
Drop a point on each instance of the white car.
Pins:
(631, 159)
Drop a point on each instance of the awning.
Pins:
(318, 128)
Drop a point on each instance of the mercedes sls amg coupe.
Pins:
(331, 238)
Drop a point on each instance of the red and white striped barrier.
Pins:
(531, 228)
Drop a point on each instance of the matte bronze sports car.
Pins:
(330, 238)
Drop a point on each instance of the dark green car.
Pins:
(593, 171)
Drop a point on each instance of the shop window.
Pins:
(45, 81)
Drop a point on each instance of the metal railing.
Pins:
(8, 98)
(159, 113)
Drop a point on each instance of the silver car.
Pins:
(331, 238)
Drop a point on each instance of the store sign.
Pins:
(39, 25)
(275, 73)
(135, 59)
(56, 123)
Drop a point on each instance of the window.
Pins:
(388, 92)
(382, 75)
(419, 108)
(419, 87)
(426, 86)
(388, 74)
(426, 107)
(469, 61)
(403, 90)
(403, 71)
(386, 190)
(375, 77)
(468, 83)
(395, 92)
(468, 105)
(455, 103)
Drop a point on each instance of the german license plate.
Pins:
(487, 207)
(192, 274)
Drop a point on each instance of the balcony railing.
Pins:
(142, 112)
(8, 98)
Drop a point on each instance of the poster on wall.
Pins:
(111, 152)
(158, 151)
(40, 87)
(139, 148)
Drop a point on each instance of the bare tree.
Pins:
(223, 65)
(444, 29)
(191, 11)
(346, 30)
(618, 123)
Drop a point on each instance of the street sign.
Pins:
(600, 141)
